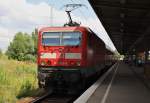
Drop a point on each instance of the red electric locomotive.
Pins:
(69, 55)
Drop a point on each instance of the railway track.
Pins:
(58, 99)
(55, 98)
(40, 99)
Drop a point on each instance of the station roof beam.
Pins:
(126, 21)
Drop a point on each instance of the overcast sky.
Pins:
(26, 15)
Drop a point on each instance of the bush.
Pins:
(3, 77)
(23, 47)
(25, 89)
(25, 70)
(30, 57)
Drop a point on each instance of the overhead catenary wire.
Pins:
(84, 17)
(80, 11)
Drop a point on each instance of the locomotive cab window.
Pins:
(51, 38)
(61, 38)
(71, 38)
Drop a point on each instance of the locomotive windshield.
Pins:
(61, 38)
(52, 38)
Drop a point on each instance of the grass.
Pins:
(17, 80)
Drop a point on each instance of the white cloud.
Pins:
(18, 15)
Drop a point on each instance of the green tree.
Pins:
(21, 46)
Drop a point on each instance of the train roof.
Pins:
(68, 28)
(75, 28)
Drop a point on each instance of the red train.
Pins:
(69, 55)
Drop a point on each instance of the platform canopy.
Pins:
(127, 22)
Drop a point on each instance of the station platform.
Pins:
(124, 84)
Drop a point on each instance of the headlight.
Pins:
(78, 63)
(43, 63)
